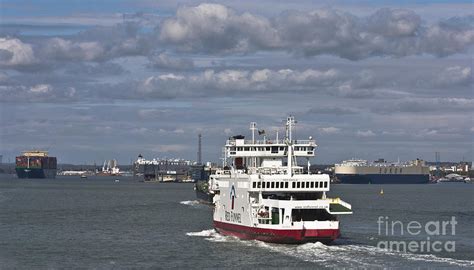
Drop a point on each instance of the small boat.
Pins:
(83, 176)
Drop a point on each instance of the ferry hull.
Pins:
(281, 236)
(383, 178)
(35, 173)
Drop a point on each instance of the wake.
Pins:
(343, 255)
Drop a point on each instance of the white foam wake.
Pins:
(195, 202)
(347, 255)
(213, 236)
(355, 255)
(204, 233)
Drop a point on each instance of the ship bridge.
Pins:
(278, 156)
(269, 148)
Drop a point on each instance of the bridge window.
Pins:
(273, 184)
(268, 184)
(277, 184)
(312, 184)
(259, 185)
(298, 185)
(282, 148)
(254, 184)
(293, 185)
(310, 215)
(325, 184)
(400, 170)
(307, 184)
(274, 149)
(286, 184)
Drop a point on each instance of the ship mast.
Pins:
(290, 121)
(253, 128)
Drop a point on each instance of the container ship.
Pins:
(356, 171)
(163, 170)
(265, 195)
(36, 164)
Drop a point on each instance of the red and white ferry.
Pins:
(263, 194)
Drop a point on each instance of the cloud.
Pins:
(329, 130)
(224, 82)
(14, 53)
(41, 89)
(36, 93)
(61, 49)
(4, 77)
(217, 29)
(365, 133)
(419, 105)
(151, 113)
(169, 148)
(455, 75)
(164, 61)
(336, 110)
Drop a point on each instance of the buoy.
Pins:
(381, 191)
(116, 180)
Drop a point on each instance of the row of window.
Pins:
(307, 184)
(274, 149)
(389, 170)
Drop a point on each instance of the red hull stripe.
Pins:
(277, 235)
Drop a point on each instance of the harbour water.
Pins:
(99, 223)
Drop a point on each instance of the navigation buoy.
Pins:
(381, 191)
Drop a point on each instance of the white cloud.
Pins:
(41, 89)
(216, 29)
(211, 82)
(329, 130)
(165, 61)
(454, 75)
(365, 133)
(140, 130)
(16, 53)
(59, 48)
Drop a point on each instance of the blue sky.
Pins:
(95, 80)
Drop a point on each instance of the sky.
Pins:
(94, 80)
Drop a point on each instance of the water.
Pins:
(102, 224)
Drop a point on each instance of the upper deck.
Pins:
(269, 148)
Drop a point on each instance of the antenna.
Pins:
(290, 122)
(199, 153)
(253, 127)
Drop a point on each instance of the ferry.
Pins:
(263, 194)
